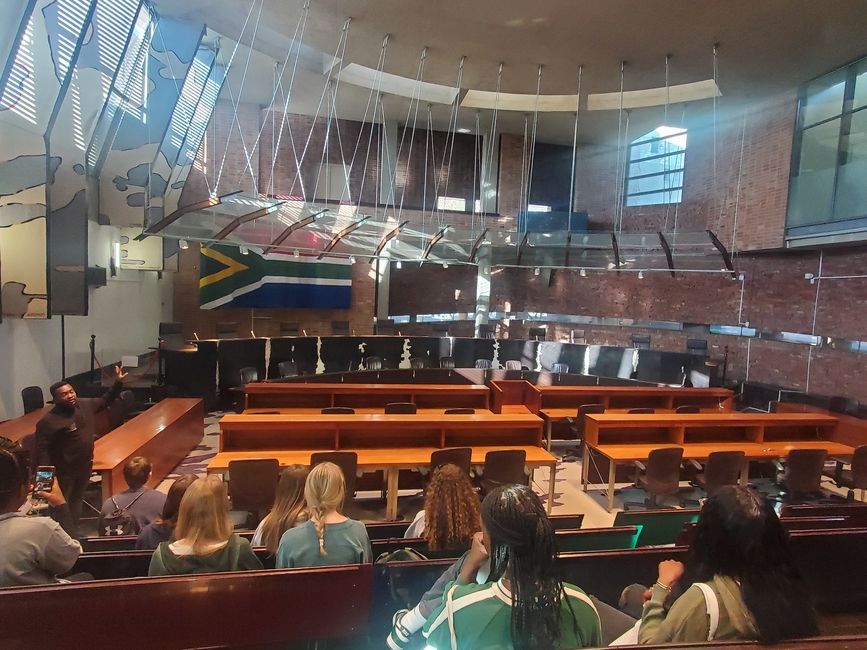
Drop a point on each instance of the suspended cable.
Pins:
(522, 184)
(419, 77)
(618, 171)
(476, 161)
(716, 84)
(575, 145)
(486, 169)
(532, 150)
(235, 104)
(453, 125)
(732, 247)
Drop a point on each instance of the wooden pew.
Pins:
(855, 512)
(657, 526)
(290, 395)
(165, 434)
(249, 609)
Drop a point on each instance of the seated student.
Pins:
(328, 537)
(33, 550)
(741, 553)
(141, 503)
(161, 528)
(289, 509)
(204, 542)
(450, 515)
(525, 605)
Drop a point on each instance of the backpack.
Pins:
(400, 555)
(120, 521)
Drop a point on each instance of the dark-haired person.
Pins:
(526, 605)
(64, 438)
(142, 503)
(162, 528)
(740, 567)
(33, 550)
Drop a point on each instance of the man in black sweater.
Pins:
(64, 438)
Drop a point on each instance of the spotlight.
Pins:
(245, 251)
(296, 254)
(183, 244)
(445, 265)
(398, 265)
(641, 275)
(583, 273)
(352, 259)
(537, 271)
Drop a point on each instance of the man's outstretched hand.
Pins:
(119, 374)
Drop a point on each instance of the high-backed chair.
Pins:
(722, 468)
(460, 456)
(249, 374)
(513, 364)
(340, 328)
(417, 363)
(289, 328)
(33, 399)
(803, 473)
(338, 410)
(698, 347)
(661, 475)
(253, 484)
(347, 461)
(373, 363)
(560, 368)
(172, 336)
(227, 330)
(486, 331)
(538, 333)
(287, 369)
(505, 467)
(641, 411)
(484, 364)
(401, 408)
(688, 409)
(577, 424)
(131, 406)
(447, 362)
(460, 411)
(854, 478)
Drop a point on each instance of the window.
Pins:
(827, 192)
(654, 173)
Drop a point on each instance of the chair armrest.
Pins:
(779, 466)
(695, 464)
(640, 465)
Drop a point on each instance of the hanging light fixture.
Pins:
(445, 265)
(352, 259)
(296, 254)
(641, 275)
(537, 271)
(398, 265)
(583, 273)
(183, 244)
(244, 250)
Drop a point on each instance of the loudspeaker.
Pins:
(95, 276)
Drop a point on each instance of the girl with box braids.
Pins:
(523, 552)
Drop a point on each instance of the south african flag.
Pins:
(229, 279)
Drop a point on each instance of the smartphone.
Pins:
(44, 478)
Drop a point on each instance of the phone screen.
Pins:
(44, 479)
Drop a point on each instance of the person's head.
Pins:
(451, 509)
(739, 535)
(520, 540)
(169, 515)
(63, 394)
(203, 517)
(136, 472)
(289, 506)
(14, 475)
(324, 491)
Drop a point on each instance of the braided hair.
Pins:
(522, 548)
(324, 490)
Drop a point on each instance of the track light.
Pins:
(641, 275)
(352, 259)
(244, 251)
(537, 271)
(183, 244)
(398, 265)
(445, 265)
(583, 273)
(296, 254)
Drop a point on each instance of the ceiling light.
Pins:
(398, 265)
(244, 250)
(183, 244)
(464, 131)
(583, 273)
(445, 265)
(352, 259)
(296, 254)
(537, 271)
(641, 275)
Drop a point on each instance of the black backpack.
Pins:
(120, 521)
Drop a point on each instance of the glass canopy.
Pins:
(268, 224)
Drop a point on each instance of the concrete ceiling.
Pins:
(765, 47)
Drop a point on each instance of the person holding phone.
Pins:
(64, 438)
(33, 550)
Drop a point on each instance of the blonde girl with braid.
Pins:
(328, 537)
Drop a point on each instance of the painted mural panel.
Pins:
(22, 270)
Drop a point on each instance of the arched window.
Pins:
(654, 172)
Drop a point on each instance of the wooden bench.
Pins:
(855, 512)
(249, 609)
(321, 395)
(657, 527)
(165, 434)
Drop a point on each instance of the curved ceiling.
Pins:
(765, 47)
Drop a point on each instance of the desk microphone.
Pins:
(252, 333)
(353, 332)
(304, 332)
(196, 335)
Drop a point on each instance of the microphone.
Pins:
(196, 335)
(252, 333)
(304, 332)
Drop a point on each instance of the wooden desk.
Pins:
(391, 461)
(376, 430)
(629, 438)
(18, 428)
(165, 434)
(315, 395)
(850, 429)
(547, 397)
(363, 410)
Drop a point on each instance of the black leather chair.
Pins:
(802, 478)
(560, 368)
(459, 411)
(460, 456)
(33, 399)
(340, 328)
(688, 409)
(641, 411)
(287, 369)
(253, 485)
(249, 374)
(373, 363)
(346, 461)
(289, 328)
(447, 362)
(484, 364)
(417, 363)
(722, 468)
(506, 467)
(227, 330)
(854, 478)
